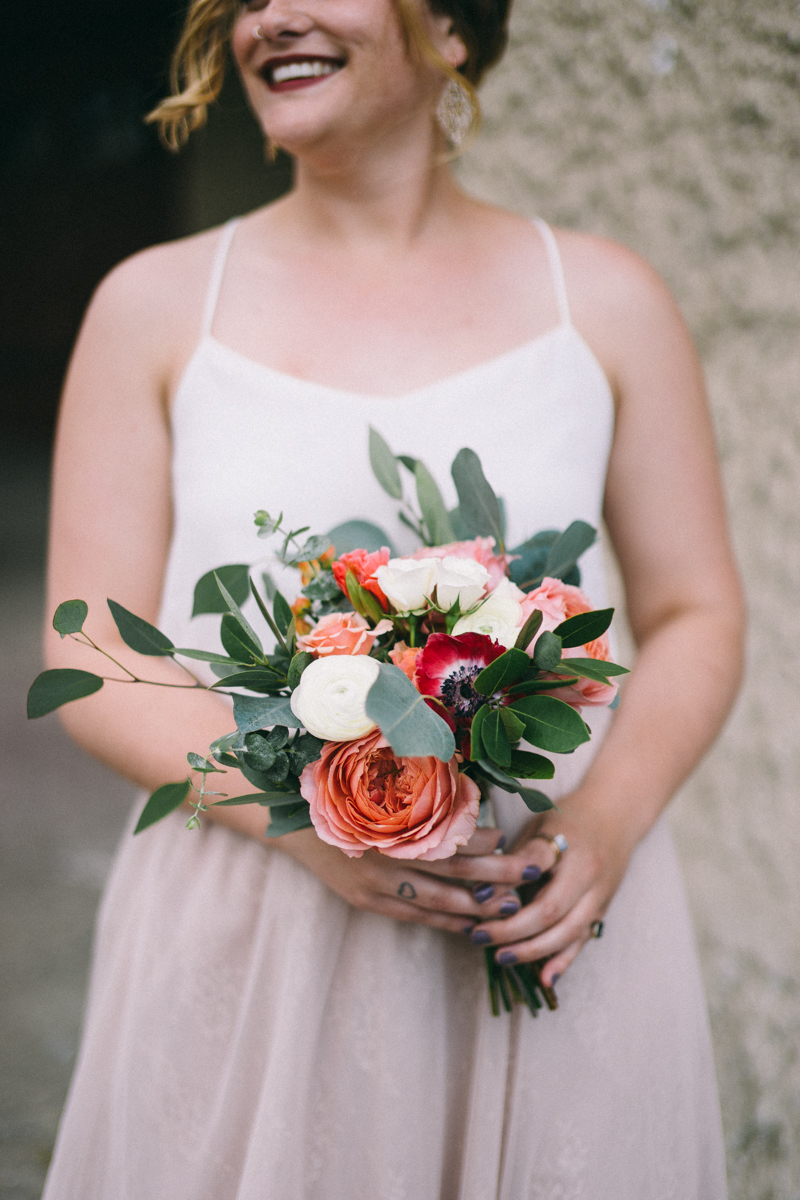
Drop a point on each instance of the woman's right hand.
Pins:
(395, 888)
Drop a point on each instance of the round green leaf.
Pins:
(51, 689)
(69, 617)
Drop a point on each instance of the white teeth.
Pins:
(302, 70)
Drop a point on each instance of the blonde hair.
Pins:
(198, 66)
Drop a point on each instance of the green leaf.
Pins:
(547, 651)
(51, 689)
(207, 596)
(69, 617)
(528, 686)
(311, 549)
(536, 801)
(261, 754)
(258, 680)
(408, 462)
(577, 631)
(384, 466)
(497, 776)
(432, 507)
(496, 740)
(251, 712)
(235, 640)
(163, 801)
(282, 612)
(412, 729)
(527, 569)
(551, 724)
(565, 552)
(198, 763)
(208, 656)
(304, 749)
(477, 749)
(322, 587)
(267, 615)
(265, 799)
(513, 726)
(360, 535)
(288, 819)
(362, 600)
(240, 617)
(479, 508)
(501, 673)
(597, 667)
(140, 635)
(269, 585)
(296, 668)
(525, 765)
(529, 630)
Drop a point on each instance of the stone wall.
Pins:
(674, 126)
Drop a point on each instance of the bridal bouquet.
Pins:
(399, 689)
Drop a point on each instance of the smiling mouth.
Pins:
(290, 72)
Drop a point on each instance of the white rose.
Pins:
(407, 582)
(331, 698)
(460, 578)
(499, 617)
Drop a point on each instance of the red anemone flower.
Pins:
(447, 667)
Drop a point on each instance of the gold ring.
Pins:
(558, 842)
(596, 929)
(258, 34)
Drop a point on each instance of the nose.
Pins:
(283, 19)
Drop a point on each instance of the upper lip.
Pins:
(283, 60)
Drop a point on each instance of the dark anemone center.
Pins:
(458, 694)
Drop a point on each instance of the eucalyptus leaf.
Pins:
(412, 729)
(288, 819)
(163, 801)
(408, 462)
(304, 749)
(260, 755)
(208, 656)
(198, 763)
(359, 535)
(69, 617)
(296, 668)
(53, 688)
(207, 596)
(140, 635)
(322, 587)
(257, 712)
(550, 724)
(505, 670)
(384, 466)
(567, 549)
(311, 549)
(479, 508)
(585, 627)
(434, 513)
(547, 651)
(240, 647)
(239, 615)
(527, 568)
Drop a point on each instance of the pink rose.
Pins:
(480, 548)
(339, 633)
(362, 797)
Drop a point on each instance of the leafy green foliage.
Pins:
(551, 724)
(163, 801)
(51, 689)
(525, 765)
(204, 765)
(140, 635)
(478, 509)
(69, 617)
(251, 712)
(219, 660)
(501, 673)
(282, 612)
(384, 467)
(477, 749)
(207, 596)
(536, 801)
(547, 651)
(297, 666)
(412, 729)
(289, 818)
(311, 549)
(239, 645)
(322, 587)
(553, 554)
(495, 739)
(529, 630)
(257, 679)
(360, 535)
(236, 612)
(513, 726)
(592, 668)
(434, 513)
(583, 628)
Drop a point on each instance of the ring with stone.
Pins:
(596, 929)
(558, 842)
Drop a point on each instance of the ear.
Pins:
(447, 41)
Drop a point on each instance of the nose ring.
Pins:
(258, 35)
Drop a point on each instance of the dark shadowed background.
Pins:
(670, 125)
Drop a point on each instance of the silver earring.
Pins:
(455, 112)
(258, 35)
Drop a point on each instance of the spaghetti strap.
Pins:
(217, 271)
(556, 269)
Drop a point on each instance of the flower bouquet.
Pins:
(399, 690)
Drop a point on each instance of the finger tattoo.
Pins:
(407, 891)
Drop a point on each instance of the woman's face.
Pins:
(336, 70)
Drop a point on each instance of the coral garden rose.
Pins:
(481, 549)
(362, 797)
(341, 633)
(446, 668)
(331, 698)
(363, 564)
(405, 657)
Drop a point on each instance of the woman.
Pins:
(276, 1019)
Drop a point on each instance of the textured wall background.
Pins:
(674, 126)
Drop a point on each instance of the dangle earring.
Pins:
(455, 112)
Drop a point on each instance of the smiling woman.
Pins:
(280, 1018)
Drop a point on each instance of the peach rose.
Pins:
(480, 548)
(341, 633)
(363, 565)
(405, 657)
(362, 797)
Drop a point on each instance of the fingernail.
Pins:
(506, 958)
(483, 893)
(555, 979)
(509, 908)
(531, 873)
(481, 938)
(501, 842)
(468, 929)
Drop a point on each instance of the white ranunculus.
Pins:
(407, 582)
(331, 698)
(499, 617)
(460, 578)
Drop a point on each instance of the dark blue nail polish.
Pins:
(506, 958)
(483, 893)
(531, 873)
(481, 938)
(501, 842)
(468, 929)
(555, 979)
(509, 908)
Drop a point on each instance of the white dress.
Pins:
(249, 1035)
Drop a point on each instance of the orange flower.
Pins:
(405, 657)
(300, 606)
(362, 797)
(363, 566)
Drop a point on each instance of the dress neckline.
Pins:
(254, 367)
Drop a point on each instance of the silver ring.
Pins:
(258, 35)
(596, 929)
(558, 842)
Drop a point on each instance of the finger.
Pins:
(555, 967)
(554, 940)
(483, 841)
(399, 911)
(484, 901)
(564, 895)
(508, 869)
